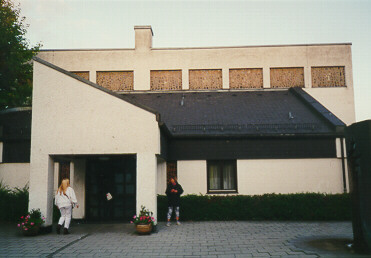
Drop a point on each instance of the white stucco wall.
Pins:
(161, 176)
(15, 174)
(192, 175)
(78, 184)
(255, 177)
(340, 101)
(147, 182)
(289, 176)
(71, 117)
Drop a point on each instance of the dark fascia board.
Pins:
(61, 70)
(319, 108)
(244, 136)
(15, 109)
(165, 129)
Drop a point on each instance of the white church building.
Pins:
(242, 120)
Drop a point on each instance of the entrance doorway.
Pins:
(115, 175)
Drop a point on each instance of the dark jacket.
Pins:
(173, 198)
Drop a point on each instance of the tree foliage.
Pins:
(15, 58)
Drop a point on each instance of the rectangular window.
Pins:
(16, 151)
(287, 77)
(84, 75)
(116, 80)
(64, 171)
(222, 176)
(328, 76)
(171, 170)
(166, 80)
(246, 78)
(205, 79)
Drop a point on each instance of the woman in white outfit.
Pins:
(65, 199)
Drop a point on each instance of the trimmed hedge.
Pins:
(299, 207)
(13, 203)
(305, 206)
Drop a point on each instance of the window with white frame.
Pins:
(221, 176)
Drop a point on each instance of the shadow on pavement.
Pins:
(102, 228)
(341, 247)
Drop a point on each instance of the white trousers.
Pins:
(66, 213)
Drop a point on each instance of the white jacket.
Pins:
(69, 199)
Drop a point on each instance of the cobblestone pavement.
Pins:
(191, 239)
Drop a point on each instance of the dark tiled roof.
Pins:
(269, 112)
(239, 113)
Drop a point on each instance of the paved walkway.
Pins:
(191, 239)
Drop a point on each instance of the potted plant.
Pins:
(31, 222)
(144, 221)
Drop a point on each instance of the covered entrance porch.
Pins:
(93, 177)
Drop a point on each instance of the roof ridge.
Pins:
(319, 108)
(94, 85)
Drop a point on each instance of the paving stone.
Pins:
(191, 239)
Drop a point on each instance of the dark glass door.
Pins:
(114, 175)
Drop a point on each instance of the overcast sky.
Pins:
(62, 24)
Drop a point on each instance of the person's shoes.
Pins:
(178, 223)
(58, 229)
(65, 231)
(168, 224)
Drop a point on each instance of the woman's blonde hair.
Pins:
(63, 187)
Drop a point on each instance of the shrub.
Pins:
(13, 203)
(302, 206)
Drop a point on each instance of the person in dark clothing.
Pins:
(173, 192)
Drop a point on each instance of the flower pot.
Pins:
(31, 231)
(144, 229)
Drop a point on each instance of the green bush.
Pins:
(13, 203)
(303, 206)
